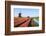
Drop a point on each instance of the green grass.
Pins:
(37, 18)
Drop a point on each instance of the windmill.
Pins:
(20, 14)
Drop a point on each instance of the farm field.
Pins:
(26, 22)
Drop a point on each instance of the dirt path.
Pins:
(23, 24)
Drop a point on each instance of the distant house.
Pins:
(28, 17)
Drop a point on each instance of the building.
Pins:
(19, 14)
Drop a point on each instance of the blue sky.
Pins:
(26, 12)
